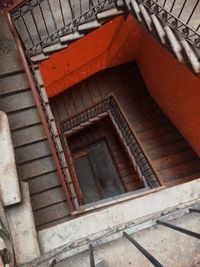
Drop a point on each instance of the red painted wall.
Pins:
(116, 42)
(173, 86)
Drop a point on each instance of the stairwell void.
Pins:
(101, 157)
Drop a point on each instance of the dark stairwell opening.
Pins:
(102, 165)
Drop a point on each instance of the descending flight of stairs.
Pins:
(53, 25)
(34, 160)
(153, 20)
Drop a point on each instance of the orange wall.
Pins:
(174, 88)
(116, 42)
(170, 83)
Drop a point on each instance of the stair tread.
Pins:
(89, 25)
(167, 150)
(19, 83)
(39, 57)
(156, 132)
(109, 13)
(182, 170)
(71, 37)
(157, 142)
(17, 101)
(54, 47)
(174, 160)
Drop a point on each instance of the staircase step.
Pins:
(19, 83)
(51, 213)
(146, 17)
(39, 57)
(175, 44)
(109, 13)
(193, 59)
(174, 160)
(71, 37)
(17, 102)
(36, 168)
(89, 25)
(159, 29)
(32, 152)
(53, 48)
(23, 118)
(43, 182)
(136, 9)
(183, 170)
(28, 135)
(47, 198)
(167, 150)
(156, 132)
(159, 142)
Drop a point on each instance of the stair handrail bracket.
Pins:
(175, 23)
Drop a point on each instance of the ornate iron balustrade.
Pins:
(85, 11)
(164, 10)
(110, 107)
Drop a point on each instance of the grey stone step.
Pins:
(39, 57)
(71, 37)
(16, 102)
(35, 168)
(146, 17)
(89, 25)
(31, 134)
(43, 182)
(136, 9)
(32, 152)
(47, 198)
(53, 48)
(51, 213)
(159, 29)
(175, 44)
(23, 118)
(193, 59)
(19, 83)
(109, 13)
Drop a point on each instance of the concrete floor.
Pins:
(169, 247)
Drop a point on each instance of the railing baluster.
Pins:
(151, 258)
(30, 37)
(171, 9)
(52, 15)
(71, 9)
(194, 210)
(43, 18)
(61, 11)
(191, 14)
(92, 262)
(35, 23)
(182, 8)
(179, 229)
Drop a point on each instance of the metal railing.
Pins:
(181, 17)
(110, 107)
(44, 23)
